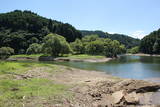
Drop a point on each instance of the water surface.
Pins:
(135, 67)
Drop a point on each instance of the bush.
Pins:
(77, 46)
(34, 48)
(5, 52)
(133, 50)
(55, 45)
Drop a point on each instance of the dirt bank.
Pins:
(84, 60)
(96, 89)
(59, 59)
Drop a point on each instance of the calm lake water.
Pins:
(135, 67)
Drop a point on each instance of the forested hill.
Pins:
(124, 39)
(18, 29)
(150, 44)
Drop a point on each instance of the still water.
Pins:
(135, 67)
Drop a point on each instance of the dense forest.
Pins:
(19, 29)
(150, 44)
(129, 42)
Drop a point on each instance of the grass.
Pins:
(85, 56)
(12, 92)
(36, 90)
(25, 55)
(81, 56)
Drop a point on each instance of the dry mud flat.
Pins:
(96, 89)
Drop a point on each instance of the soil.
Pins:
(84, 60)
(96, 89)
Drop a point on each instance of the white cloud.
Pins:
(111, 32)
(138, 34)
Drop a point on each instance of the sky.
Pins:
(135, 18)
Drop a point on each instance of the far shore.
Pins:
(75, 58)
(142, 54)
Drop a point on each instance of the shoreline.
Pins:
(142, 54)
(93, 60)
(94, 88)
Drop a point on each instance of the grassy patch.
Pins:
(25, 55)
(34, 91)
(15, 92)
(85, 56)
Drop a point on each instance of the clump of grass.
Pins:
(16, 90)
(25, 55)
(85, 56)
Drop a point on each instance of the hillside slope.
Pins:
(18, 29)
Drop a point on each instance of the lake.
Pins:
(134, 67)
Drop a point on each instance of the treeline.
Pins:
(94, 45)
(129, 42)
(150, 44)
(56, 45)
(19, 29)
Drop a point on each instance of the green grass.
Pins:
(85, 56)
(35, 89)
(25, 55)
(12, 92)
(21, 67)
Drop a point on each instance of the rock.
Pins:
(132, 98)
(117, 96)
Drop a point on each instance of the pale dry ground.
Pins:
(84, 60)
(97, 89)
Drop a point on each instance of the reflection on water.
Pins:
(135, 67)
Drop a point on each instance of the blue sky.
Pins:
(132, 17)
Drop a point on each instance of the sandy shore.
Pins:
(84, 60)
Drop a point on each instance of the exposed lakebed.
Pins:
(134, 67)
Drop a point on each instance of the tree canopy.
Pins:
(55, 45)
(150, 44)
(128, 41)
(19, 29)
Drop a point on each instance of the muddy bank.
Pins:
(84, 60)
(92, 88)
(49, 58)
(96, 89)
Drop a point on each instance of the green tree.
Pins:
(156, 46)
(77, 46)
(133, 50)
(34, 48)
(5, 52)
(95, 47)
(55, 45)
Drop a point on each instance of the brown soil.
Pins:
(96, 89)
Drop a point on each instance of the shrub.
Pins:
(5, 52)
(55, 45)
(34, 48)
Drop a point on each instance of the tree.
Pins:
(5, 52)
(134, 50)
(156, 46)
(77, 46)
(95, 47)
(150, 44)
(19, 29)
(55, 45)
(34, 49)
